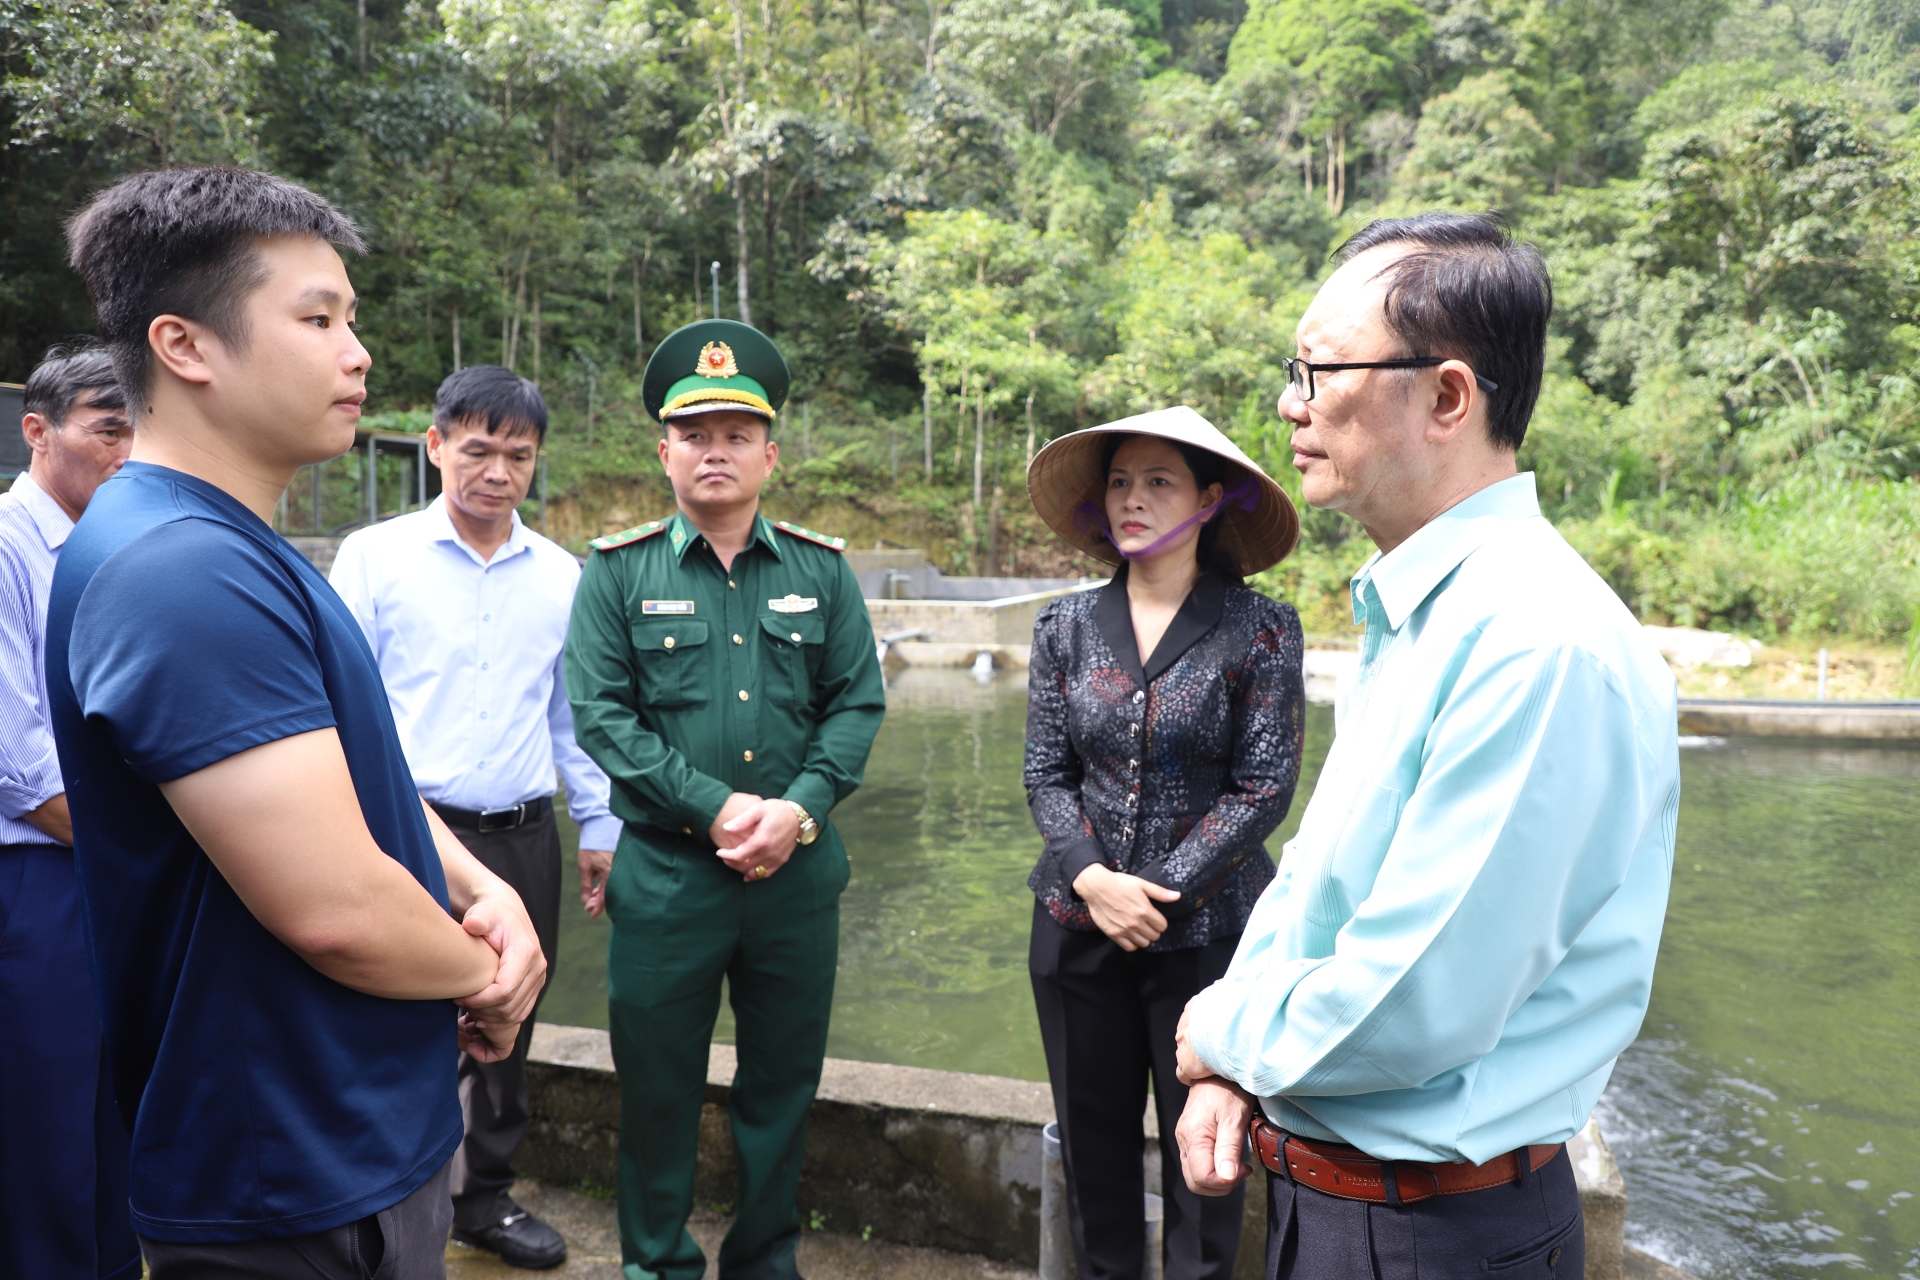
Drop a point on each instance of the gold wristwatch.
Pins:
(809, 829)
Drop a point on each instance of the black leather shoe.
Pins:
(520, 1239)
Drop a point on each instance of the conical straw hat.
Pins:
(1066, 476)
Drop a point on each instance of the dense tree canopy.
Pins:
(973, 224)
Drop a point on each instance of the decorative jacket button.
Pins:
(1134, 728)
(1139, 696)
(1133, 764)
(743, 695)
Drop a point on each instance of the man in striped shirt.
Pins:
(63, 1165)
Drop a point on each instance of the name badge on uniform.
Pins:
(666, 606)
(794, 604)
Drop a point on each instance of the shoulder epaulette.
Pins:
(824, 539)
(625, 536)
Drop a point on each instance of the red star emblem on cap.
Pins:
(716, 361)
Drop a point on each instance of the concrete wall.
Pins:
(995, 622)
(922, 1157)
(1766, 719)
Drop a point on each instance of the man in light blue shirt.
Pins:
(466, 611)
(1429, 999)
(63, 1147)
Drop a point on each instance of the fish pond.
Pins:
(1768, 1118)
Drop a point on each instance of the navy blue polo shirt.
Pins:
(264, 1098)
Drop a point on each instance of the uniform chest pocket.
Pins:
(669, 656)
(790, 656)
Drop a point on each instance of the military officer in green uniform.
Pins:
(722, 671)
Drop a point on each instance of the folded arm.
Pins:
(282, 823)
(30, 785)
(1269, 733)
(850, 698)
(1053, 771)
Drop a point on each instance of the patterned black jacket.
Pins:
(1175, 772)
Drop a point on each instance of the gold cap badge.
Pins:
(716, 361)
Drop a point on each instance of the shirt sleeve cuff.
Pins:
(812, 794)
(1077, 857)
(1203, 1027)
(19, 797)
(601, 833)
(705, 797)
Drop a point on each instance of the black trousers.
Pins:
(1528, 1230)
(1107, 1019)
(407, 1241)
(493, 1095)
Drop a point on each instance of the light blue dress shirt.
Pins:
(1461, 939)
(470, 651)
(33, 528)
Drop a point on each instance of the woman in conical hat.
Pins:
(1165, 721)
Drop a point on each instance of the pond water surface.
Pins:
(1767, 1119)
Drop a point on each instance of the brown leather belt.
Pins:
(1351, 1174)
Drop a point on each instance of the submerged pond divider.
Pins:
(922, 1157)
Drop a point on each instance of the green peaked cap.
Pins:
(715, 364)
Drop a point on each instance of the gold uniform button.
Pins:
(669, 642)
(796, 637)
(747, 756)
(743, 695)
(686, 831)
(737, 639)
(730, 584)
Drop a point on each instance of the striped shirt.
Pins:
(33, 528)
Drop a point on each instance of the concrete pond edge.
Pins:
(920, 1157)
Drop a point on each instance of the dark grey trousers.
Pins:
(1528, 1230)
(405, 1242)
(493, 1095)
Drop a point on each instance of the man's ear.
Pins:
(36, 429)
(179, 345)
(1456, 399)
(435, 443)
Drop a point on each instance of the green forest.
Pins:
(975, 224)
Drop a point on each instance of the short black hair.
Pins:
(66, 373)
(494, 397)
(182, 242)
(1468, 291)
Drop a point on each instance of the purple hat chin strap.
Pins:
(1090, 518)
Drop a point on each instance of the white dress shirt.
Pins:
(1462, 936)
(470, 650)
(33, 528)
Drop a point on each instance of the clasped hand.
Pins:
(1122, 905)
(490, 1018)
(755, 837)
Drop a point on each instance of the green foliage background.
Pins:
(974, 224)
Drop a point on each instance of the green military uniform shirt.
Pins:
(690, 682)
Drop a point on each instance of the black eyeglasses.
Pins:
(1300, 372)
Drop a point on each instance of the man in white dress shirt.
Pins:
(466, 610)
(63, 1148)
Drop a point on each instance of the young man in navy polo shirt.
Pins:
(280, 929)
